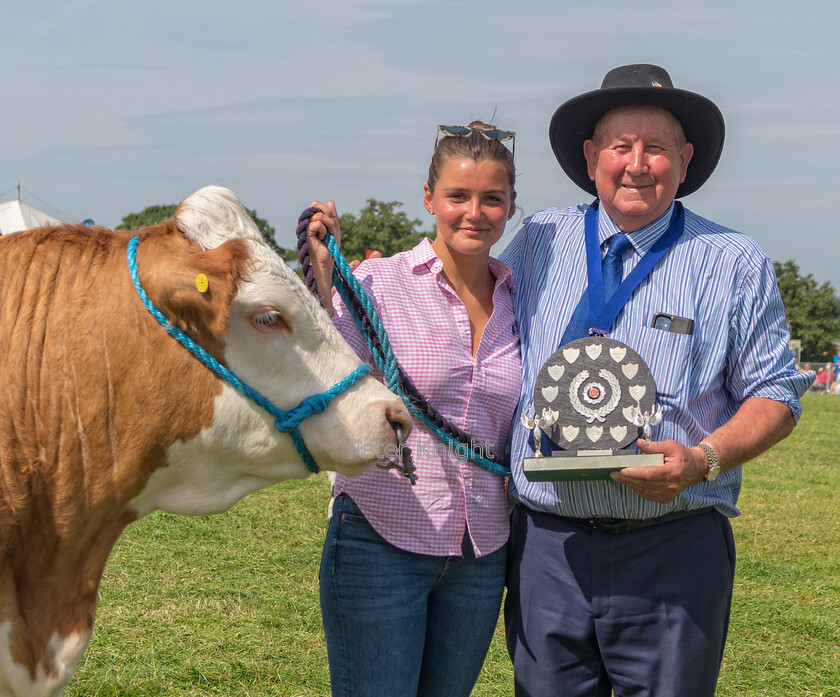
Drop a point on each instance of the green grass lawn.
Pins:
(228, 604)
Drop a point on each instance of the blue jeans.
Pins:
(400, 624)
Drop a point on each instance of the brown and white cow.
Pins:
(105, 418)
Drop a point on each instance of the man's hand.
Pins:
(683, 467)
(758, 424)
(370, 254)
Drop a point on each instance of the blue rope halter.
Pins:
(284, 421)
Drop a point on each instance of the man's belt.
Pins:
(616, 526)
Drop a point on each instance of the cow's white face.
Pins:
(281, 343)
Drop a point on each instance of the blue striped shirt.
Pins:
(738, 348)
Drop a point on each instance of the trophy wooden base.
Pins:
(583, 465)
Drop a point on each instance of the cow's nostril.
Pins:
(398, 416)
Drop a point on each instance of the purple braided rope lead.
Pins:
(303, 252)
(418, 401)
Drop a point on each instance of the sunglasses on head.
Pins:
(489, 133)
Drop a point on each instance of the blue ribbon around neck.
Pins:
(602, 314)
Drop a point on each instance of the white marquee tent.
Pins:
(16, 216)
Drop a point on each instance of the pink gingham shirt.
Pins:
(429, 331)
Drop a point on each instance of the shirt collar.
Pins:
(642, 239)
(423, 254)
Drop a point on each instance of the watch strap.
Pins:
(714, 463)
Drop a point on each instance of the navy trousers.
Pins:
(642, 613)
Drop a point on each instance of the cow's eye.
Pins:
(271, 319)
(267, 319)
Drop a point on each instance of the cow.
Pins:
(104, 417)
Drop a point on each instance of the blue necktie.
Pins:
(611, 272)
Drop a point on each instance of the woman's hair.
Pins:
(471, 147)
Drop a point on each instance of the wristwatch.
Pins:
(714, 463)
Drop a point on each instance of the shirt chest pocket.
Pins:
(667, 355)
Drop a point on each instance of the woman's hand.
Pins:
(325, 220)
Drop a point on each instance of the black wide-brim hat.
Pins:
(701, 120)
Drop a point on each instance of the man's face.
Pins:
(637, 164)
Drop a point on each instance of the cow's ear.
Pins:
(192, 287)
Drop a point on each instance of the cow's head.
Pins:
(259, 320)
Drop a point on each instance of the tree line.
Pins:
(380, 225)
(812, 309)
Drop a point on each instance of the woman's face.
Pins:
(472, 202)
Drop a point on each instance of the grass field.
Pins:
(228, 604)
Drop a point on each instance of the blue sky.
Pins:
(111, 107)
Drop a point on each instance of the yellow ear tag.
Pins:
(201, 283)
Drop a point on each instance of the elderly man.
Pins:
(626, 584)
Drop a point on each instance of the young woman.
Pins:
(412, 576)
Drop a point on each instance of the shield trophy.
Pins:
(593, 398)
